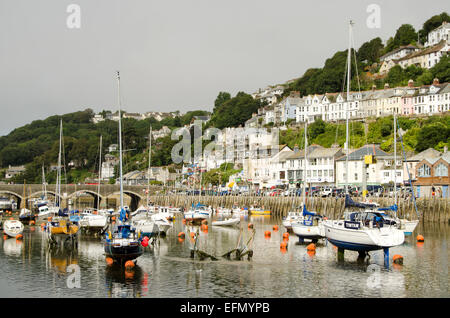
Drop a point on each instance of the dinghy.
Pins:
(12, 228)
(226, 222)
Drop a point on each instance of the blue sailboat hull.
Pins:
(354, 247)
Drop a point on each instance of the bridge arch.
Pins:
(14, 194)
(90, 192)
(135, 198)
(40, 193)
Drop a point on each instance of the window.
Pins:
(356, 177)
(441, 170)
(424, 171)
(386, 174)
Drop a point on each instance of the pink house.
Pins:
(407, 103)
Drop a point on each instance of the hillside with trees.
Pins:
(37, 144)
(330, 79)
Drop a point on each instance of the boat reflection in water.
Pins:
(125, 283)
(60, 259)
(12, 247)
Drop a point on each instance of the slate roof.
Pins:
(359, 154)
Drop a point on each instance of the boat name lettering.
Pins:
(352, 225)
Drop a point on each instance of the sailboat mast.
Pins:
(395, 160)
(99, 174)
(149, 165)
(58, 178)
(305, 164)
(347, 104)
(120, 141)
(43, 183)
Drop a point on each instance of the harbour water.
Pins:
(30, 269)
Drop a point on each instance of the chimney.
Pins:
(294, 94)
(374, 87)
(436, 81)
(410, 83)
(445, 149)
(386, 85)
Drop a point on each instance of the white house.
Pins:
(361, 168)
(437, 35)
(398, 53)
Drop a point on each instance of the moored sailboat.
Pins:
(363, 227)
(122, 242)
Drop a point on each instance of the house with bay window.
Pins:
(433, 174)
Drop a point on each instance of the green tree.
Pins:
(442, 69)
(221, 99)
(431, 24)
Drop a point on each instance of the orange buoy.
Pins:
(5, 237)
(286, 235)
(49, 219)
(129, 264)
(267, 233)
(42, 224)
(181, 239)
(181, 234)
(109, 261)
(184, 221)
(144, 243)
(129, 274)
(204, 227)
(113, 218)
(19, 236)
(32, 222)
(204, 222)
(145, 238)
(420, 238)
(311, 247)
(311, 253)
(192, 234)
(397, 259)
(283, 245)
(250, 225)
(275, 228)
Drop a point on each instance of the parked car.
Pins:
(326, 192)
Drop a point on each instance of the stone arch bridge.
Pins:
(23, 193)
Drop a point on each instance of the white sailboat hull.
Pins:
(364, 239)
(407, 226)
(161, 222)
(309, 232)
(93, 221)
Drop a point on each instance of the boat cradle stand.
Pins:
(363, 254)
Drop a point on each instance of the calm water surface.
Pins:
(29, 269)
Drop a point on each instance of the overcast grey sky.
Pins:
(172, 54)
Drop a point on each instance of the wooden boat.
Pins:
(12, 228)
(259, 211)
(62, 226)
(226, 222)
